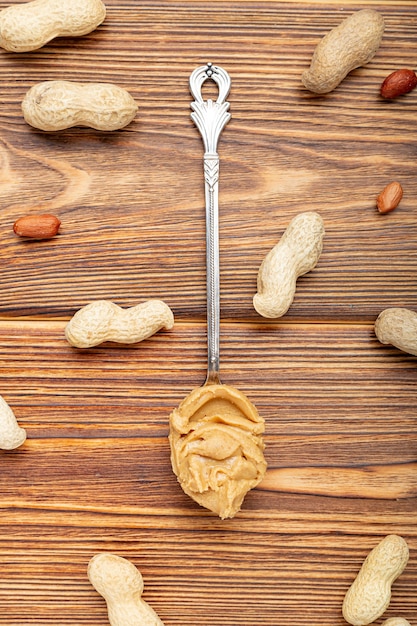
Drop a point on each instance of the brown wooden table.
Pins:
(340, 408)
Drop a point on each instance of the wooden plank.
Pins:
(306, 579)
(131, 202)
(95, 473)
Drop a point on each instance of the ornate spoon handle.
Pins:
(210, 118)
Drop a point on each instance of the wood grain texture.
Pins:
(95, 474)
(134, 199)
(340, 408)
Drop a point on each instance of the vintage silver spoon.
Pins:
(216, 432)
(210, 118)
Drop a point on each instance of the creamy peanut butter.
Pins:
(217, 447)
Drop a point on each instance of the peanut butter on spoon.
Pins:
(216, 432)
(216, 447)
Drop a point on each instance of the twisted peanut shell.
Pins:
(103, 320)
(297, 252)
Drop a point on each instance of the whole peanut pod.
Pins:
(120, 583)
(398, 327)
(297, 252)
(29, 26)
(370, 593)
(11, 435)
(103, 320)
(58, 104)
(396, 621)
(350, 45)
